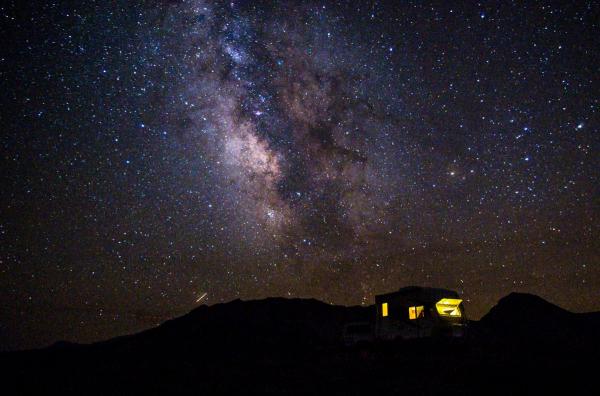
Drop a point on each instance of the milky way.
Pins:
(288, 126)
(158, 151)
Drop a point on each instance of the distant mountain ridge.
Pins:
(310, 321)
(248, 325)
(521, 318)
(294, 346)
(524, 306)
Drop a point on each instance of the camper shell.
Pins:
(415, 312)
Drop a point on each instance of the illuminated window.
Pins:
(384, 309)
(416, 312)
(449, 307)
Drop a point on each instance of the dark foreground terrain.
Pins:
(524, 345)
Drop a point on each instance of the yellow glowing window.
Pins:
(449, 307)
(384, 309)
(416, 312)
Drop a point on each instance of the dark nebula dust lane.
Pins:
(154, 152)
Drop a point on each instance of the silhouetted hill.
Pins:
(248, 325)
(523, 308)
(293, 346)
(525, 318)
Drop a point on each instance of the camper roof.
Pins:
(429, 294)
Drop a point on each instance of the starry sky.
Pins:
(157, 155)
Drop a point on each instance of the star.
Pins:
(209, 141)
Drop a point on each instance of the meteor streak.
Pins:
(201, 297)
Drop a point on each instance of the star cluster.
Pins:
(157, 151)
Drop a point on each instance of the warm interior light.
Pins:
(449, 307)
(384, 309)
(416, 312)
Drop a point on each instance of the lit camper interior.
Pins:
(414, 312)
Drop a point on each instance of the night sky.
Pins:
(155, 151)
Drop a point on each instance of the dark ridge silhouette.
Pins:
(250, 326)
(525, 318)
(524, 308)
(525, 345)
